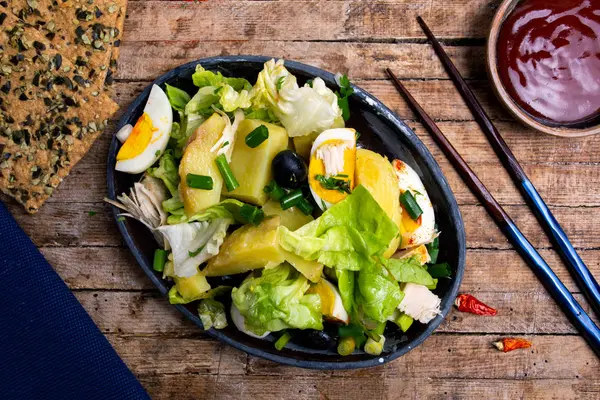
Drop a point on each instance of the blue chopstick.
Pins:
(580, 272)
(561, 295)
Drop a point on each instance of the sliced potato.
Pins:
(376, 173)
(312, 270)
(292, 218)
(248, 248)
(303, 144)
(252, 166)
(198, 159)
(192, 287)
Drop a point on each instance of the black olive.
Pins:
(289, 169)
(319, 340)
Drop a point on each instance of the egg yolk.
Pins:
(318, 167)
(409, 224)
(138, 140)
(326, 294)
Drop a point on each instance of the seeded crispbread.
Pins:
(48, 119)
(85, 31)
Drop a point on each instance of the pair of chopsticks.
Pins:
(561, 295)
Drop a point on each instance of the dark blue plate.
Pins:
(382, 131)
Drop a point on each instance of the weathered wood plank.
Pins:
(284, 20)
(551, 357)
(97, 267)
(149, 313)
(115, 268)
(72, 226)
(333, 388)
(147, 60)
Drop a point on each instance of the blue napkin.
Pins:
(49, 346)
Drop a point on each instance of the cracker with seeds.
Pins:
(85, 31)
(49, 115)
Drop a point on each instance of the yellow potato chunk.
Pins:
(192, 287)
(248, 248)
(292, 218)
(252, 166)
(199, 160)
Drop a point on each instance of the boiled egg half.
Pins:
(332, 306)
(421, 230)
(331, 166)
(146, 141)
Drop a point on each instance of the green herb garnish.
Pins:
(280, 82)
(345, 92)
(274, 191)
(333, 183)
(199, 181)
(408, 202)
(160, 259)
(195, 253)
(230, 182)
(252, 214)
(257, 136)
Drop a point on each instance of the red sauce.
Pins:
(549, 58)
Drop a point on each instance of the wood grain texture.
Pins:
(171, 356)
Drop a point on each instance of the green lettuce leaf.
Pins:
(409, 270)
(231, 99)
(202, 78)
(276, 300)
(177, 97)
(167, 171)
(301, 110)
(352, 233)
(228, 209)
(212, 314)
(202, 101)
(346, 283)
(377, 294)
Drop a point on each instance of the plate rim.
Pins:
(400, 126)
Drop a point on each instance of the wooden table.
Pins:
(171, 356)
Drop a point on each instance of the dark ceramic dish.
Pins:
(382, 131)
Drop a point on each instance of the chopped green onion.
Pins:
(441, 270)
(346, 346)
(160, 259)
(354, 331)
(433, 249)
(199, 181)
(225, 144)
(374, 347)
(404, 322)
(121, 218)
(309, 82)
(291, 199)
(305, 207)
(230, 182)
(410, 205)
(196, 252)
(280, 82)
(252, 214)
(274, 191)
(282, 341)
(346, 91)
(333, 183)
(257, 136)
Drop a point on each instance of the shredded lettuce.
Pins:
(301, 110)
(177, 97)
(212, 314)
(276, 300)
(202, 77)
(194, 243)
(202, 101)
(167, 171)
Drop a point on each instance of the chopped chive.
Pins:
(410, 205)
(282, 341)
(230, 182)
(333, 183)
(199, 181)
(195, 252)
(274, 191)
(160, 259)
(346, 346)
(441, 270)
(433, 249)
(157, 153)
(257, 136)
(252, 214)
(309, 82)
(121, 219)
(291, 199)
(225, 144)
(280, 82)
(92, 213)
(305, 207)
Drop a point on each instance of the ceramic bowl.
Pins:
(382, 131)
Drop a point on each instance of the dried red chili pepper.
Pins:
(510, 344)
(468, 303)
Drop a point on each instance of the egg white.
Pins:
(158, 109)
(240, 322)
(408, 179)
(328, 156)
